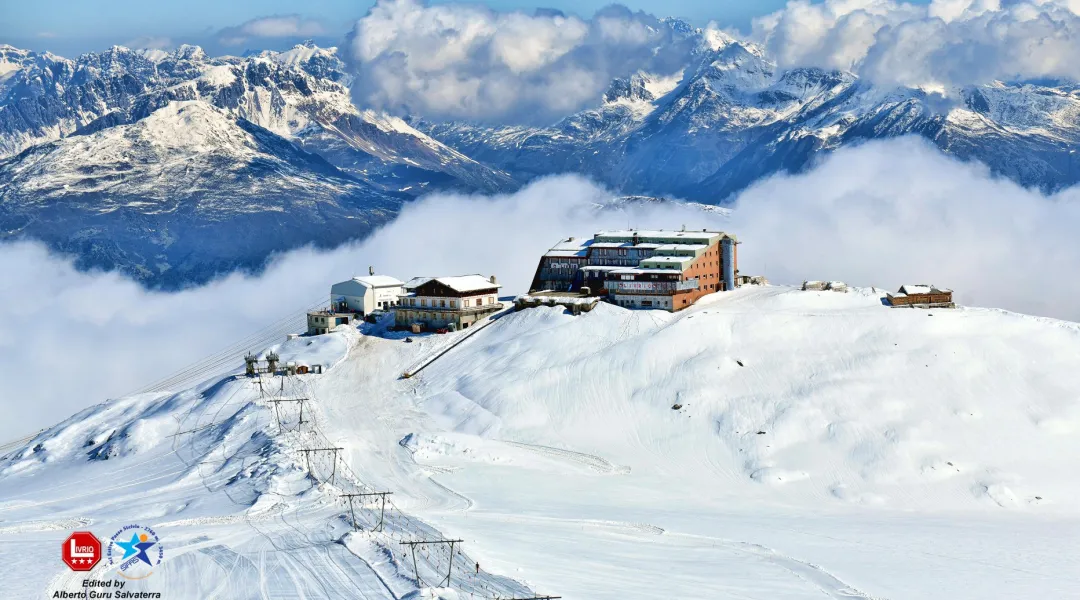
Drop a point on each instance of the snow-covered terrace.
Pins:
(667, 262)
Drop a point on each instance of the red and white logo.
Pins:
(81, 551)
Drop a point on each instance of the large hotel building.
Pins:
(669, 270)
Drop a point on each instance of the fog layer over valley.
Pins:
(880, 215)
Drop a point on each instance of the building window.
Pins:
(453, 304)
(423, 302)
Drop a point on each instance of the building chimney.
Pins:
(570, 239)
(493, 281)
(371, 270)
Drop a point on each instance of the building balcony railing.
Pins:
(650, 287)
(472, 310)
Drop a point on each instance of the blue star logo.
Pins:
(136, 547)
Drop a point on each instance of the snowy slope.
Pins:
(857, 451)
(904, 455)
(217, 473)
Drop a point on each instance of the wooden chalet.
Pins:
(921, 296)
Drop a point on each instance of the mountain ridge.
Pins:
(727, 118)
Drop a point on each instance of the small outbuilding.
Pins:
(323, 321)
(365, 295)
(921, 296)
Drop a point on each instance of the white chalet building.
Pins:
(365, 295)
(442, 302)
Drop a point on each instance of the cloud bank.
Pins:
(881, 214)
(468, 61)
(278, 26)
(896, 212)
(942, 45)
(465, 61)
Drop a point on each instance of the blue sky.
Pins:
(69, 27)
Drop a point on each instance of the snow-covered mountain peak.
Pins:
(191, 126)
(13, 59)
(304, 52)
(715, 39)
(189, 52)
(153, 54)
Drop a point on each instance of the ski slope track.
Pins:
(826, 446)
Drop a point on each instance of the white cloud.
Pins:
(882, 214)
(895, 212)
(278, 26)
(944, 44)
(150, 42)
(468, 61)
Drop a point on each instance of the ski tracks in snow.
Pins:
(46, 525)
(591, 461)
(828, 583)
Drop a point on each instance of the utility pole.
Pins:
(307, 456)
(382, 508)
(449, 570)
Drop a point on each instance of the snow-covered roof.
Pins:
(666, 247)
(580, 253)
(458, 283)
(643, 245)
(704, 236)
(661, 261)
(570, 247)
(644, 271)
(467, 283)
(416, 282)
(379, 281)
(921, 288)
(666, 260)
(602, 268)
